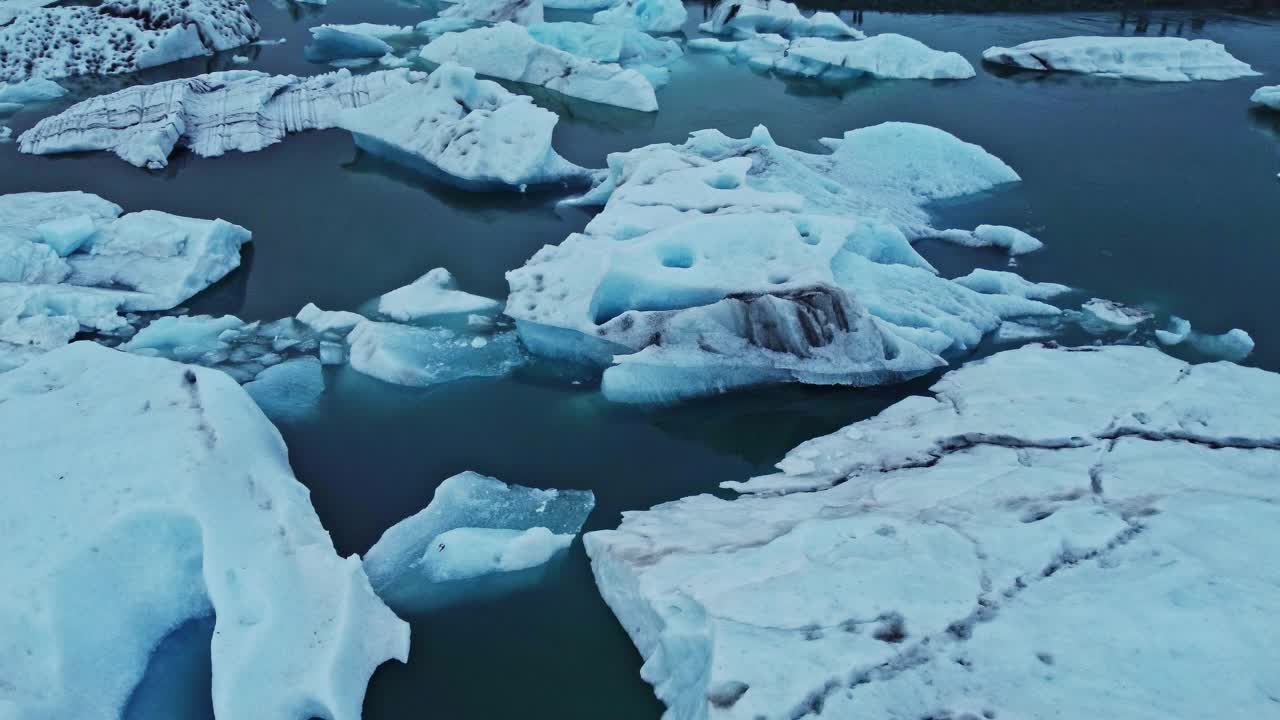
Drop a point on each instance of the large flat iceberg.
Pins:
(724, 263)
(743, 18)
(211, 114)
(508, 51)
(475, 529)
(884, 56)
(178, 502)
(118, 36)
(1154, 59)
(1054, 528)
(472, 132)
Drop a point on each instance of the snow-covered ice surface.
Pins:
(1267, 97)
(109, 550)
(742, 18)
(1073, 528)
(433, 294)
(1153, 59)
(72, 255)
(422, 356)
(474, 133)
(118, 36)
(508, 51)
(724, 263)
(474, 13)
(886, 56)
(653, 16)
(210, 114)
(475, 528)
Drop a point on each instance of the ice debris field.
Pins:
(1078, 462)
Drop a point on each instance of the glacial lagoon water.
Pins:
(1164, 195)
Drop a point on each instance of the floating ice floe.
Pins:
(119, 36)
(508, 51)
(210, 114)
(1011, 240)
(1154, 59)
(624, 46)
(1115, 492)
(242, 350)
(474, 13)
(1234, 345)
(885, 56)
(473, 537)
(432, 295)
(422, 356)
(1267, 97)
(351, 42)
(13, 96)
(72, 255)
(724, 263)
(653, 16)
(177, 504)
(996, 282)
(472, 132)
(1112, 314)
(742, 18)
(5, 134)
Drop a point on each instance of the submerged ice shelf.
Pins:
(109, 550)
(1154, 59)
(925, 562)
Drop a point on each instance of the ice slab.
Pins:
(118, 36)
(884, 56)
(419, 357)
(1153, 59)
(474, 133)
(651, 16)
(433, 294)
(1115, 491)
(508, 51)
(203, 517)
(474, 13)
(742, 18)
(475, 529)
(211, 114)
(1115, 315)
(1012, 240)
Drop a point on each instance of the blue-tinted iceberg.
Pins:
(653, 16)
(419, 357)
(178, 502)
(351, 42)
(476, 536)
(1153, 59)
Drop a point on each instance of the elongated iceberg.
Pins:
(211, 114)
(1153, 59)
(1050, 522)
(742, 18)
(475, 529)
(119, 36)
(884, 56)
(472, 132)
(509, 52)
(112, 546)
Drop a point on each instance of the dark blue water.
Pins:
(1164, 194)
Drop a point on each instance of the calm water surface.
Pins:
(1163, 194)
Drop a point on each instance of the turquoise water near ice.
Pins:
(1158, 194)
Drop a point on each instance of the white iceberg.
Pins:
(742, 18)
(339, 321)
(1266, 97)
(351, 42)
(211, 114)
(996, 282)
(475, 528)
(141, 261)
(473, 13)
(1111, 314)
(119, 36)
(419, 357)
(508, 51)
(1153, 59)
(723, 263)
(472, 132)
(1012, 240)
(177, 503)
(884, 56)
(651, 16)
(1113, 491)
(431, 295)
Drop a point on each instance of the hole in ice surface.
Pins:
(892, 630)
(724, 181)
(1036, 514)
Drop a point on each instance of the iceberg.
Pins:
(420, 357)
(884, 56)
(1111, 314)
(474, 133)
(724, 263)
(743, 18)
(351, 42)
(1012, 240)
(36, 90)
(210, 114)
(1152, 59)
(322, 321)
(118, 36)
(475, 528)
(924, 563)
(474, 13)
(431, 295)
(509, 52)
(1264, 97)
(1178, 331)
(206, 518)
(651, 16)
(607, 44)
(996, 282)
(73, 255)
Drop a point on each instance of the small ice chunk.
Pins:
(1267, 97)
(6, 134)
(418, 357)
(1011, 240)
(1178, 331)
(288, 391)
(322, 321)
(240, 59)
(996, 282)
(1153, 59)
(432, 294)
(184, 338)
(1115, 314)
(66, 235)
(474, 526)
(1234, 345)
